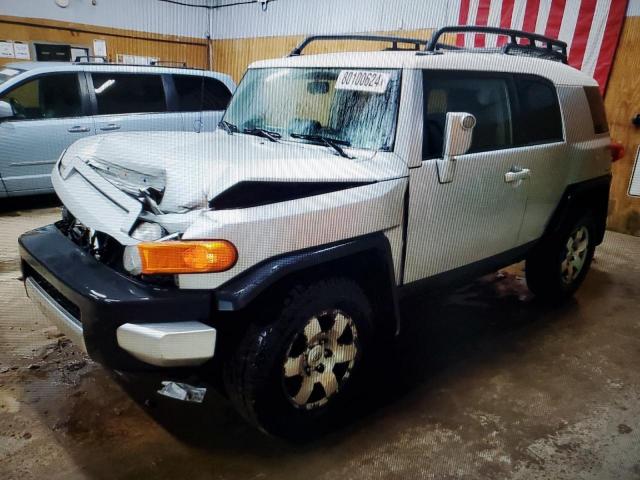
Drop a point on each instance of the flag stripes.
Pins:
(591, 28)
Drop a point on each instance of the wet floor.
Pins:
(485, 383)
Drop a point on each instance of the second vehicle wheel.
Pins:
(559, 265)
(292, 376)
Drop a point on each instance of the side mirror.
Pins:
(458, 133)
(6, 110)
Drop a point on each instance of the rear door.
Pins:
(49, 116)
(202, 101)
(127, 102)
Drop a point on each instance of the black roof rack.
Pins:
(550, 49)
(394, 41)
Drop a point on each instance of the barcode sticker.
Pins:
(363, 80)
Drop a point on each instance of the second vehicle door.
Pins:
(131, 102)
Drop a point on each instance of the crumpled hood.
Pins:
(199, 166)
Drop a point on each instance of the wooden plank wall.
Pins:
(165, 47)
(622, 100)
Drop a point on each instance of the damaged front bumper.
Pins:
(120, 322)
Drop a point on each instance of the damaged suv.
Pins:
(276, 251)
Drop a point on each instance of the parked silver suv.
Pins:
(278, 249)
(46, 106)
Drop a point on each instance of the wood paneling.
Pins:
(622, 102)
(165, 47)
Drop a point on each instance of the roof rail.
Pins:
(168, 63)
(552, 49)
(394, 41)
(91, 59)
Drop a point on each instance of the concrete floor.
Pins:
(486, 384)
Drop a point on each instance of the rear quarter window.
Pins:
(200, 93)
(539, 119)
(596, 106)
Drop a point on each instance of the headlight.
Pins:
(180, 257)
(148, 232)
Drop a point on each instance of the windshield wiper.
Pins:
(328, 141)
(261, 132)
(229, 127)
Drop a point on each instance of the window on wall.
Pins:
(596, 106)
(539, 119)
(128, 93)
(51, 96)
(486, 98)
(200, 93)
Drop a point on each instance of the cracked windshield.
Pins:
(340, 107)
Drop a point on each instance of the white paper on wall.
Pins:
(634, 185)
(21, 51)
(6, 50)
(100, 48)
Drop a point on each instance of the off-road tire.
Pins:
(546, 272)
(255, 374)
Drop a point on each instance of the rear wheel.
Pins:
(294, 375)
(560, 264)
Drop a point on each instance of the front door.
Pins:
(49, 116)
(477, 215)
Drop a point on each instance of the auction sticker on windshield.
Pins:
(363, 80)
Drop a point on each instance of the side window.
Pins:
(50, 96)
(596, 105)
(539, 114)
(486, 98)
(200, 93)
(118, 93)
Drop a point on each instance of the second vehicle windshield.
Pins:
(347, 107)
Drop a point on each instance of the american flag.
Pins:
(591, 28)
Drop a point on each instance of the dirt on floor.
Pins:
(484, 383)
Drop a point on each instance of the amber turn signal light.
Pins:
(186, 257)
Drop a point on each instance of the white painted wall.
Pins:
(294, 17)
(141, 15)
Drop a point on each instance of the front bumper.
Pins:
(121, 322)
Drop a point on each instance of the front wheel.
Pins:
(294, 375)
(560, 264)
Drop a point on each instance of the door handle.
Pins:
(516, 174)
(110, 127)
(78, 129)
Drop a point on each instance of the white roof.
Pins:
(557, 72)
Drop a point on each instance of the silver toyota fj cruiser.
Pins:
(277, 249)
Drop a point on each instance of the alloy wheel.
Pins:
(320, 359)
(575, 254)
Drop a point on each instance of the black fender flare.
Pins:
(240, 291)
(591, 194)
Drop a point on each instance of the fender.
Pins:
(237, 293)
(594, 194)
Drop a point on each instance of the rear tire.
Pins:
(558, 266)
(294, 374)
